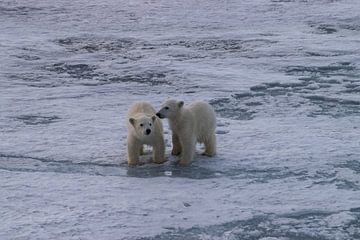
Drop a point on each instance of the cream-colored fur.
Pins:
(144, 127)
(190, 124)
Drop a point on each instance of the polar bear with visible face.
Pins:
(144, 128)
(190, 124)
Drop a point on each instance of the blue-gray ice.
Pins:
(282, 75)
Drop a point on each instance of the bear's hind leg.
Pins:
(210, 146)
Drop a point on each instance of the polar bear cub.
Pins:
(190, 124)
(144, 128)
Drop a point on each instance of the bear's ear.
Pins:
(180, 104)
(132, 121)
(153, 118)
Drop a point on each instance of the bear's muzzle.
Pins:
(160, 115)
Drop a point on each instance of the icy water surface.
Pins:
(283, 77)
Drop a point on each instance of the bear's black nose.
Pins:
(159, 115)
(148, 131)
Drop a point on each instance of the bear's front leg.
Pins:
(133, 151)
(176, 145)
(188, 144)
(159, 151)
(142, 150)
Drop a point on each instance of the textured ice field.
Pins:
(283, 76)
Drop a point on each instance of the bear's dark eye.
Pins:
(167, 108)
(141, 125)
(150, 124)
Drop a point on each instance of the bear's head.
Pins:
(170, 109)
(144, 126)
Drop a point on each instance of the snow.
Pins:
(283, 77)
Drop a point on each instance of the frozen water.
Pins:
(282, 75)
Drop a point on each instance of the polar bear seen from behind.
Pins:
(144, 128)
(190, 124)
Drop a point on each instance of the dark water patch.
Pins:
(352, 165)
(347, 185)
(338, 69)
(190, 92)
(45, 85)
(197, 170)
(324, 28)
(352, 88)
(94, 44)
(48, 160)
(18, 10)
(119, 47)
(27, 57)
(282, 1)
(335, 79)
(90, 75)
(352, 85)
(152, 78)
(221, 46)
(334, 100)
(277, 88)
(173, 170)
(328, 53)
(265, 175)
(286, 85)
(33, 79)
(279, 96)
(79, 71)
(220, 132)
(20, 163)
(356, 209)
(314, 54)
(244, 95)
(252, 175)
(187, 56)
(332, 178)
(67, 97)
(220, 101)
(257, 88)
(351, 24)
(12, 162)
(307, 214)
(253, 104)
(37, 119)
(324, 182)
(334, 107)
(229, 108)
(322, 174)
(310, 225)
(329, 81)
(246, 105)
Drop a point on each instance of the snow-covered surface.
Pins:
(283, 76)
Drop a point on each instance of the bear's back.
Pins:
(204, 116)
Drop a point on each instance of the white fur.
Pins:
(190, 124)
(141, 116)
